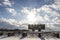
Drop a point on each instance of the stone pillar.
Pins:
(39, 35)
(24, 34)
(1, 33)
(57, 35)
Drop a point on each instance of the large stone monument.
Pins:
(38, 27)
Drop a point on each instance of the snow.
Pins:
(3, 36)
(10, 38)
(34, 38)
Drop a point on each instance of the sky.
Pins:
(13, 13)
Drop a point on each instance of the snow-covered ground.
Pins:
(31, 38)
(10, 38)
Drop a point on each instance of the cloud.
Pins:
(11, 24)
(50, 15)
(25, 10)
(47, 9)
(57, 0)
(30, 14)
(10, 21)
(12, 11)
(0, 4)
(46, 17)
(7, 2)
(53, 27)
(56, 5)
(34, 17)
(57, 20)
